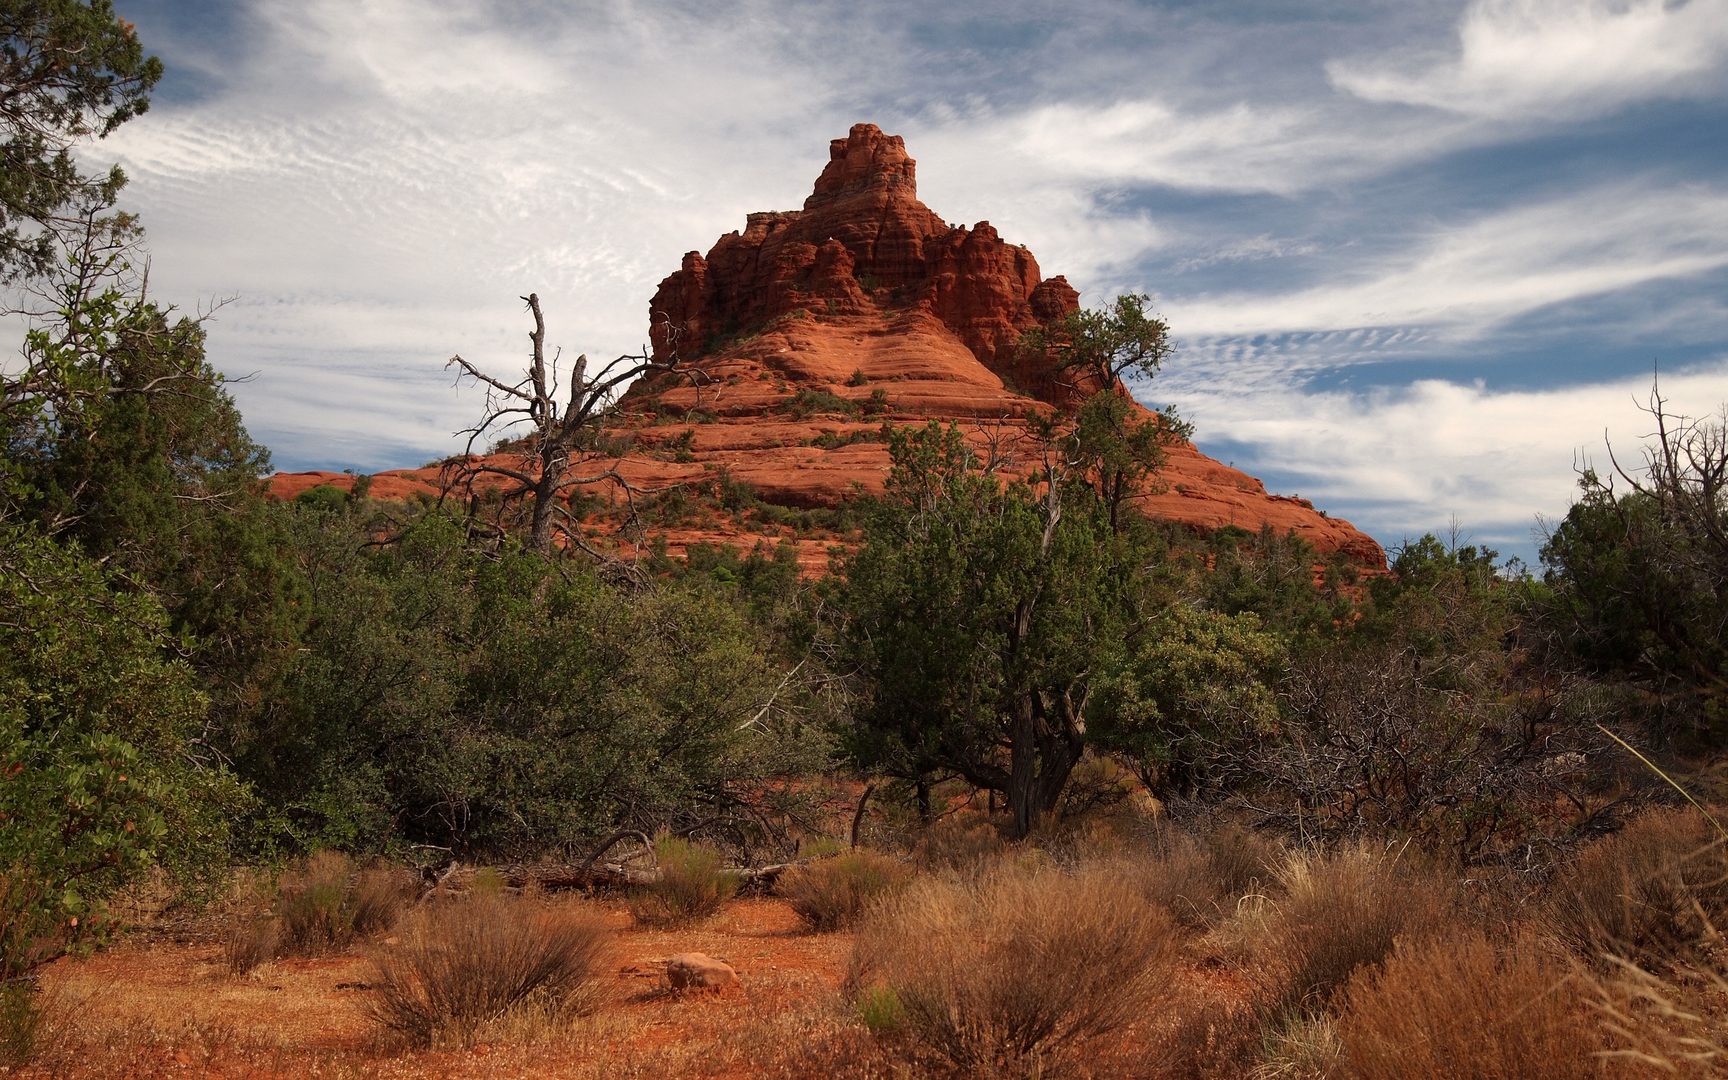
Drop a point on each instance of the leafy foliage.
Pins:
(505, 703)
(95, 727)
(977, 612)
(1101, 346)
(1195, 692)
(72, 70)
(1640, 576)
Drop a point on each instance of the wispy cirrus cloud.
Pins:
(1363, 186)
(1470, 276)
(1404, 460)
(1554, 59)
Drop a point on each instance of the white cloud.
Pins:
(378, 180)
(1472, 276)
(1403, 461)
(1555, 58)
(1250, 249)
(1239, 147)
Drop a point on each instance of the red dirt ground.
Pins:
(162, 1009)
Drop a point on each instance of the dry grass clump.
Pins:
(1650, 892)
(1675, 1025)
(834, 892)
(324, 905)
(485, 958)
(1202, 879)
(1302, 1046)
(21, 1022)
(1339, 912)
(958, 844)
(1010, 968)
(1456, 1006)
(692, 884)
(252, 940)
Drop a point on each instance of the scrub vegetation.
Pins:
(1026, 785)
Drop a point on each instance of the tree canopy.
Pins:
(71, 71)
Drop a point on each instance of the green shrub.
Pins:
(1011, 969)
(692, 884)
(808, 403)
(880, 1010)
(833, 892)
(484, 958)
(98, 776)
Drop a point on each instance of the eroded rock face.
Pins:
(862, 244)
(813, 328)
(816, 326)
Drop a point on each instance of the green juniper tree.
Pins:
(979, 612)
(69, 71)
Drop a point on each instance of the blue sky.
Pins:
(1421, 255)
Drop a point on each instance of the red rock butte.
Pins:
(814, 328)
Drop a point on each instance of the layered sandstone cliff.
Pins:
(813, 328)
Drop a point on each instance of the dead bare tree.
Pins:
(563, 449)
(1684, 486)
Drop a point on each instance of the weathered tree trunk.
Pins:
(858, 815)
(1045, 748)
(559, 876)
(1022, 793)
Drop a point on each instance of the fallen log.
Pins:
(556, 877)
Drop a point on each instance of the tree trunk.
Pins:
(1022, 793)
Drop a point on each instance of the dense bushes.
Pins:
(502, 703)
(96, 781)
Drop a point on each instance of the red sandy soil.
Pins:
(162, 1009)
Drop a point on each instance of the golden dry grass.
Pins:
(489, 958)
(1008, 970)
(1459, 1006)
(1011, 968)
(833, 892)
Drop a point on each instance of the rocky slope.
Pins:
(813, 328)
